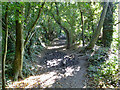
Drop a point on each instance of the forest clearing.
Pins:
(60, 45)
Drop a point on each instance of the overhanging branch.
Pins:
(33, 26)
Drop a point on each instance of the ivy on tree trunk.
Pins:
(98, 30)
(108, 27)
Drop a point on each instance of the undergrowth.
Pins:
(103, 69)
(29, 67)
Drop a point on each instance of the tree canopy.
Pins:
(29, 27)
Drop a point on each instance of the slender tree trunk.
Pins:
(98, 30)
(19, 49)
(82, 28)
(68, 39)
(65, 30)
(29, 48)
(93, 26)
(5, 47)
(58, 21)
(88, 32)
(108, 27)
(67, 34)
(33, 26)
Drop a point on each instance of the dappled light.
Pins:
(60, 45)
(45, 80)
(57, 44)
(53, 62)
(56, 47)
(69, 71)
(53, 71)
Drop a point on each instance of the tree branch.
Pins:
(33, 26)
(116, 23)
(65, 30)
(5, 47)
(100, 24)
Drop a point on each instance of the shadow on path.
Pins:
(58, 68)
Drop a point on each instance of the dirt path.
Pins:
(58, 68)
(69, 68)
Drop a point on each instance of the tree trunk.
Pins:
(82, 28)
(33, 26)
(58, 21)
(68, 39)
(67, 34)
(19, 49)
(65, 30)
(5, 47)
(108, 27)
(98, 30)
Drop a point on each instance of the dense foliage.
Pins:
(40, 22)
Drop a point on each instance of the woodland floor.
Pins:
(57, 68)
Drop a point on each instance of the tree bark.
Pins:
(98, 30)
(108, 27)
(19, 49)
(82, 28)
(5, 47)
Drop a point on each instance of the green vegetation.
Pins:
(29, 27)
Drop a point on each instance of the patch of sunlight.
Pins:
(37, 26)
(72, 2)
(64, 49)
(49, 82)
(39, 66)
(39, 55)
(113, 55)
(55, 47)
(42, 43)
(78, 68)
(35, 10)
(43, 80)
(55, 39)
(69, 71)
(37, 7)
(53, 62)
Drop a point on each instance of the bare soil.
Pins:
(70, 66)
(57, 68)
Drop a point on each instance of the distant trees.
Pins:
(28, 21)
(65, 30)
(59, 22)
